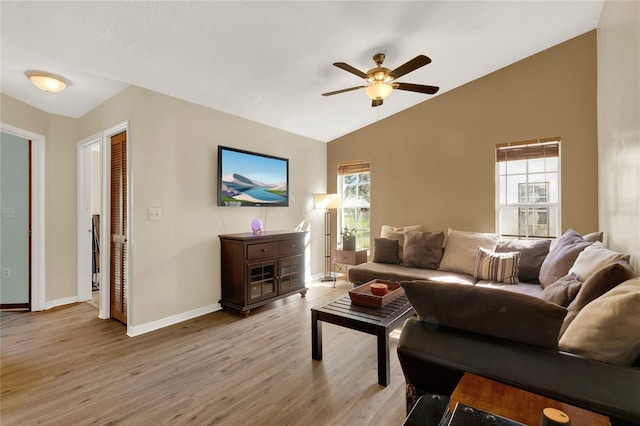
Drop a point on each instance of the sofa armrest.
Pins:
(433, 358)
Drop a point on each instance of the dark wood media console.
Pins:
(258, 269)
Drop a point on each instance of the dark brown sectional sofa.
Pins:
(527, 334)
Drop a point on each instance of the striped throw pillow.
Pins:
(497, 267)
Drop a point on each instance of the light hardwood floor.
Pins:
(67, 367)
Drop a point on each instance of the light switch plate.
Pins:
(154, 213)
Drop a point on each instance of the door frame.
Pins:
(84, 241)
(105, 222)
(38, 284)
(84, 217)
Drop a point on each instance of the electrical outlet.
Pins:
(6, 272)
(154, 213)
(8, 212)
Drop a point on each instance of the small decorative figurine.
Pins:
(256, 226)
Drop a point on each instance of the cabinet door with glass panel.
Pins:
(262, 281)
(291, 274)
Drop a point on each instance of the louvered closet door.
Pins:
(118, 270)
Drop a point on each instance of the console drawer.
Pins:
(291, 247)
(261, 251)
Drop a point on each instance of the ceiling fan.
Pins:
(381, 81)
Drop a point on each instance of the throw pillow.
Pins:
(597, 285)
(423, 249)
(461, 248)
(385, 250)
(561, 257)
(607, 329)
(497, 267)
(488, 311)
(563, 291)
(532, 254)
(593, 236)
(592, 258)
(397, 233)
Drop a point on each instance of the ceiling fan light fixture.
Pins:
(46, 81)
(378, 90)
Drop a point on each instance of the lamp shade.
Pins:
(378, 90)
(327, 201)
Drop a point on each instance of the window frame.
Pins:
(347, 169)
(528, 150)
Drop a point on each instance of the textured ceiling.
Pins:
(270, 61)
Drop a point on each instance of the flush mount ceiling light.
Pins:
(47, 81)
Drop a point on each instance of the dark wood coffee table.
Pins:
(379, 322)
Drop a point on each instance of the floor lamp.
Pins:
(327, 202)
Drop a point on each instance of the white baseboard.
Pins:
(59, 302)
(137, 330)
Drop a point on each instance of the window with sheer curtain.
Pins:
(528, 189)
(354, 187)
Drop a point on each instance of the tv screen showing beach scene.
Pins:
(252, 179)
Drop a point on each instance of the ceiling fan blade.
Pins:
(343, 90)
(376, 102)
(351, 69)
(413, 64)
(430, 90)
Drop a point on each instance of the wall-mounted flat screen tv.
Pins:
(252, 179)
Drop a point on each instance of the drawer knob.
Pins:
(264, 250)
(293, 246)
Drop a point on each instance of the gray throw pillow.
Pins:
(423, 249)
(595, 286)
(385, 251)
(532, 254)
(563, 291)
(488, 311)
(561, 257)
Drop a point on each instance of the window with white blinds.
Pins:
(354, 187)
(528, 188)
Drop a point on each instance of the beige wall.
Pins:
(619, 126)
(173, 146)
(434, 163)
(175, 265)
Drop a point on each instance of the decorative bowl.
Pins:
(379, 289)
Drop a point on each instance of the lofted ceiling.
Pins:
(269, 61)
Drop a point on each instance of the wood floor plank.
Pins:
(66, 366)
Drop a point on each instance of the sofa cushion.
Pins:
(461, 248)
(598, 284)
(592, 258)
(532, 254)
(593, 236)
(385, 250)
(561, 257)
(397, 233)
(608, 328)
(366, 272)
(563, 291)
(422, 249)
(487, 311)
(499, 267)
(523, 288)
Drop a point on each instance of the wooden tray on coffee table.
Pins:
(362, 295)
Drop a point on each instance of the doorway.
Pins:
(86, 149)
(36, 211)
(15, 222)
(89, 199)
